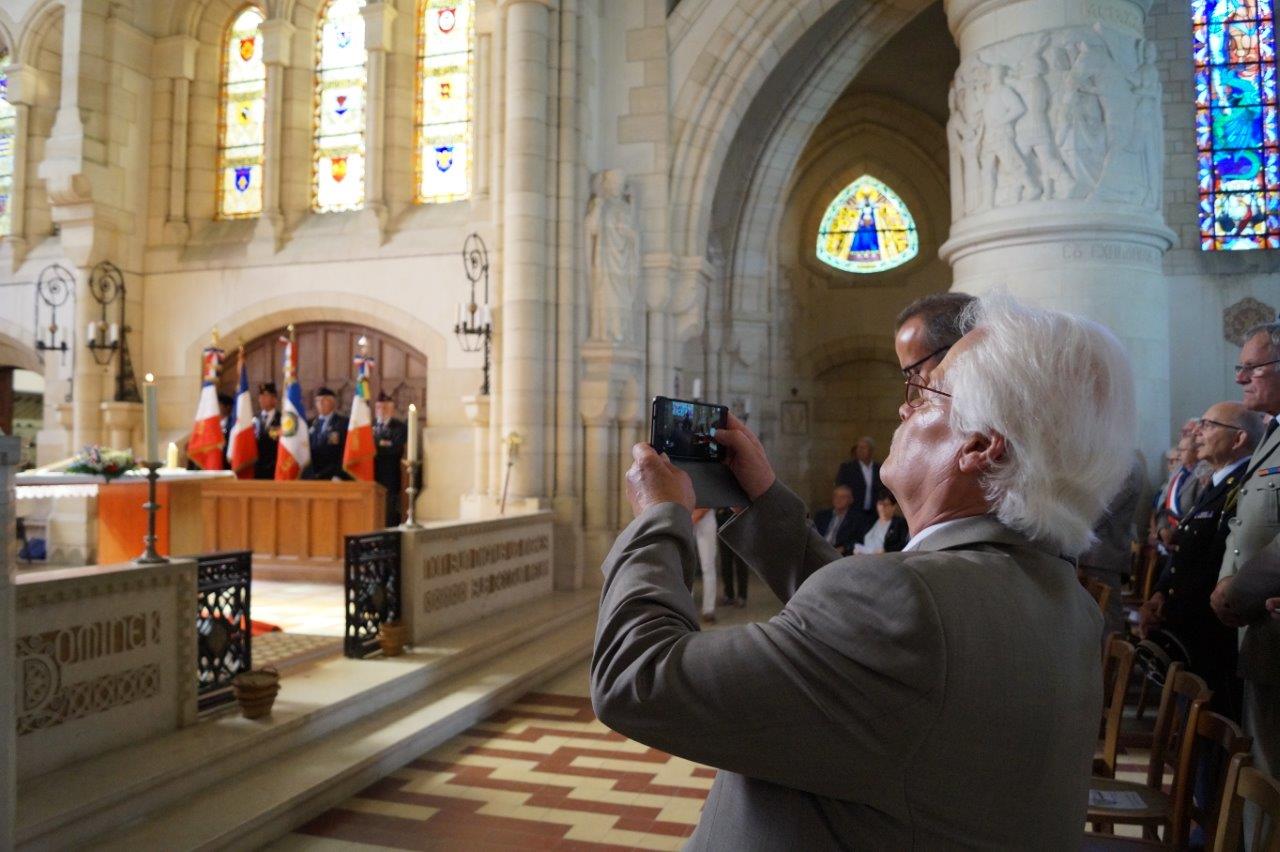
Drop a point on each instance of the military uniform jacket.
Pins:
(1197, 548)
(327, 440)
(268, 445)
(1253, 558)
(389, 442)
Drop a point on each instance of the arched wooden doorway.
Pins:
(325, 353)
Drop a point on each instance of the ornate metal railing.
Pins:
(224, 631)
(372, 579)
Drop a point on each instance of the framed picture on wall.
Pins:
(795, 417)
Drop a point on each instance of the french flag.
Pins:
(295, 441)
(205, 445)
(242, 451)
(357, 454)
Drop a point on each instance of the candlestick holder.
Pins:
(149, 555)
(410, 522)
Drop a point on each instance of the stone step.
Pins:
(336, 727)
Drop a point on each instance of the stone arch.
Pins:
(847, 350)
(33, 28)
(7, 29)
(17, 348)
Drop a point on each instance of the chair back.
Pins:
(1150, 571)
(1206, 754)
(1180, 702)
(1245, 786)
(1100, 592)
(1117, 667)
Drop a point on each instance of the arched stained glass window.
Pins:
(867, 229)
(444, 100)
(8, 123)
(241, 118)
(337, 169)
(1237, 131)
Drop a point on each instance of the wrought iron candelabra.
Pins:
(149, 555)
(475, 322)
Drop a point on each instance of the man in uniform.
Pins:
(328, 437)
(389, 436)
(266, 428)
(1226, 436)
(1251, 566)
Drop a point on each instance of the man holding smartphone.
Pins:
(864, 713)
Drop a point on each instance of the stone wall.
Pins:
(9, 455)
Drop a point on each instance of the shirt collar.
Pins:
(919, 538)
(1223, 473)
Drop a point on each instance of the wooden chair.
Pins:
(1181, 704)
(1100, 592)
(1117, 667)
(1213, 745)
(1244, 784)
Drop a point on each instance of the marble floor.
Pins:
(314, 609)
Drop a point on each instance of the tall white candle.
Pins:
(413, 433)
(697, 388)
(92, 331)
(149, 431)
(113, 333)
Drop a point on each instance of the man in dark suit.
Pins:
(389, 436)
(889, 533)
(862, 475)
(328, 437)
(840, 525)
(1226, 436)
(266, 428)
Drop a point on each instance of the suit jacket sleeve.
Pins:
(774, 538)
(849, 674)
(1257, 580)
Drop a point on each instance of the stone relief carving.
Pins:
(1072, 114)
(1244, 315)
(613, 252)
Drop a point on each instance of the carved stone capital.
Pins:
(378, 18)
(175, 57)
(277, 42)
(23, 81)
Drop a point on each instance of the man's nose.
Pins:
(904, 411)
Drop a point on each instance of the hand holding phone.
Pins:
(686, 433)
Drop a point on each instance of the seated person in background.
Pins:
(889, 533)
(1180, 604)
(841, 525)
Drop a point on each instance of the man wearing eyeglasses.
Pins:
(1225, 437)
(862, 715)
(926, 329)
(1248, 593)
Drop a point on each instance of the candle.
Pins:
(150, 438)
(92, 332)
(486, 317)
(697, 388)
(413, 433)
(171, 456)
(113, 333)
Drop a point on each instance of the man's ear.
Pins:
(980, 453)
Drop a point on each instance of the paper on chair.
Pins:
(1124, 800)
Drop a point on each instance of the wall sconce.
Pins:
(474, 327)
(104, 338)
(54, 286)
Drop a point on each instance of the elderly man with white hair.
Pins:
(944, 696)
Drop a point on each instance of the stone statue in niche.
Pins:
(1072, 114)
(613, 252)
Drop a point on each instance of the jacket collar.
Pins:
(980, 529)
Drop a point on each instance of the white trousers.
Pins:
(704, 534)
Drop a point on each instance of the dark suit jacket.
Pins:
(898, 535)
(268, 445)
(389, 442)
(327, 441)
(850, 474)
(864, 714)
(852, 527)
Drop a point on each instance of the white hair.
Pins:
(1059, 389)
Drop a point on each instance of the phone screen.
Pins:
(682, 429)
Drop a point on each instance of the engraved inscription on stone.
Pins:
(1116, 14)
(468, 560)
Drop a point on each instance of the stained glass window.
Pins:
(8, 121)
(1237, 135)
(337, 169)
(444, 100)
(241, 122)
(866, 229)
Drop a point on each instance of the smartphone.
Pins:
(683, 429)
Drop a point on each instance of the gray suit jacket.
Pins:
(1253, 557)
(938, 698)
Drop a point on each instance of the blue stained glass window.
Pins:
(242, 118)
(1237, 128)
(337, 169)
(444, 132)
(867, 228)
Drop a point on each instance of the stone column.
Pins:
(21, 94)
(609, 408)
(120, 420)
(277, 41)
(9, 456)
(525, 286)
(1056, 138)
(378, 36)
(175, 60)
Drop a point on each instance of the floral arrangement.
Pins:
(108, 464)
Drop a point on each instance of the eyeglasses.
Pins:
(1205, 420)
(1254, 370)
(915, 393)
(912, 370)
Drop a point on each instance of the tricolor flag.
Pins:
(295, 442)
(242, 449)
(357, 455)
(205, 445)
